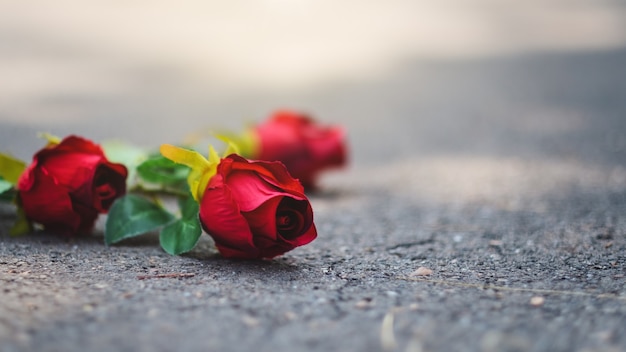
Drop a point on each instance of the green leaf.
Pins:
(123, 153)
(180, 236)
(126, 154)
(5, 185)
(158, 169)
(189, 208)
(21, 225)
(11, 168)
(8, 195)
(131, 216)
(183, 234)
(7, 191)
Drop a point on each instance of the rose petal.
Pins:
(305, 238)
(108, 184)
(73, 143)
(71, 169)
(273, 172)
(27, 178)
(249, 190)
(306, 232)
(220, 217)
(88, 216)
(270, 249)
(268, 238)
(262, 220)
(54, 210)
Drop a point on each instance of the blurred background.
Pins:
(402, 75)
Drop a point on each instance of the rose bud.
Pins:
(68, 184)
(303, 145)
(255, 209)
(251, 209)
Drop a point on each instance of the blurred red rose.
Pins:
(255, 209)
(69, 184)
(304, 146)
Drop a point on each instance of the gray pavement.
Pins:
(506, 177)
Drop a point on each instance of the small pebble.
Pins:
(537, 301)
(364, 304)
(250, 321)
(422, 271)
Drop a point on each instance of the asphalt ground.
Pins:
(504, 179)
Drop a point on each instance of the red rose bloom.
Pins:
(69, 184)
(255, 209)
(304, 146)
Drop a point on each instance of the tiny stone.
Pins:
(363, 304)
(422, 271)
(537, 301)
(495, 243)
(250, 321)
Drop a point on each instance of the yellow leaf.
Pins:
(246, 144)
(231, 145)
(52, 139)
(11, 168)
(201, 169)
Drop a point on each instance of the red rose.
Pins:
(255, 209)
(304, 146)
(69, 184)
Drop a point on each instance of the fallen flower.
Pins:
(252, 209)
(303, 145)
(68, 184)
